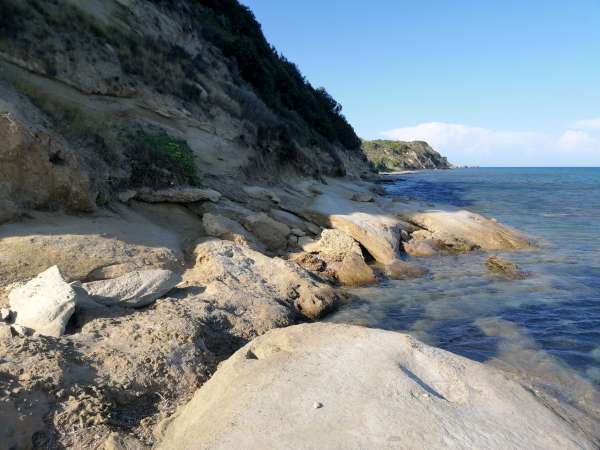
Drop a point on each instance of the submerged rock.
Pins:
(402, 270)
(44, 304)
(504, 268)
(134, 290)
(373, 388)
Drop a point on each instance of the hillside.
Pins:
(390, 156)
(103, 96)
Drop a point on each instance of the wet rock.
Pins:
(343, 256)
(362, 197)
(402, 270)
(134, 290)
(178, 195)
(504, 268)
(381, 389)
(44, 304)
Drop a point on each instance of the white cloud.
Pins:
(593, 124)
(464, 144)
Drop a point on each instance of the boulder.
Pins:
(270, 232)
(504, 268)
(178, 195)
(224, 228)
(44, 304)
(362, 197)
(402, 270)
(343, 257)
(338, 386)
(232, 271)
(292, 220)
(375, 229)
(424, 247)
(134, 290)
(261, 193)
(463, 230)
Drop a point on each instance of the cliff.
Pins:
(98, 97)
(390, 156)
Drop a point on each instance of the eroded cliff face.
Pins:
(100, 96)
(389, 156)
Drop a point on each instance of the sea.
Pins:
(544, 328)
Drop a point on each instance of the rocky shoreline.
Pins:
(113, 320)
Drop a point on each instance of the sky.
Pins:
(485, 82)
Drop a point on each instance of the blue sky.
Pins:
(485, 82)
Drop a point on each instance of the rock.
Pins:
(424, 247)
(362, 197)
(228, 229)
(246, 276)
(86, 247)
(314, 229)
(463, 230)
(343, 257)
(292, 220)
(504, 268)
(376, 230)
(125, 196)
(317, 405)
(270, 232)
(178, 195)
(297, 232)
(261, 193)
(306, 243)
(402, 270)
(381, 389)
(120, 441)
(224, 207)
(5, 314)
(134, 290)
(44, 304)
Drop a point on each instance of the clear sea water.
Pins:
(546, 327)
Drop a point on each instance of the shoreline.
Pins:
(314, 236)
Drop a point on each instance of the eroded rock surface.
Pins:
(372, 388)
(44, 304)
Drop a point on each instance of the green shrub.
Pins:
(159, 160)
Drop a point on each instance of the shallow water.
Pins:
(546, 325)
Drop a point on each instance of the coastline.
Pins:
(306, 234)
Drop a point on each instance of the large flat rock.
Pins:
(347, 387)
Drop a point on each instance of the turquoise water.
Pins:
(547, 326)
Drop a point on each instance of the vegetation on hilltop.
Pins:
(390, 156)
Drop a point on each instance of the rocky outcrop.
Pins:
(229, 270)
(353, 387)
(463, 231)
(134, 290)
(342, 256)
(391, 156)
(504, 268)
(44, 304)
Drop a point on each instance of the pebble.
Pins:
(317, 405)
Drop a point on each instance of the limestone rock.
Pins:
(504, 268)
(463, 230)
(343, 257)
(224, 228)
(375, 229)
(178, 195)
(261, 193)
(134, 290)
(44, 304)
(424, 247)
(362, 197)
(379, 389)
(402, 270)
(293, 221)
(269, 231)
(246, 276)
